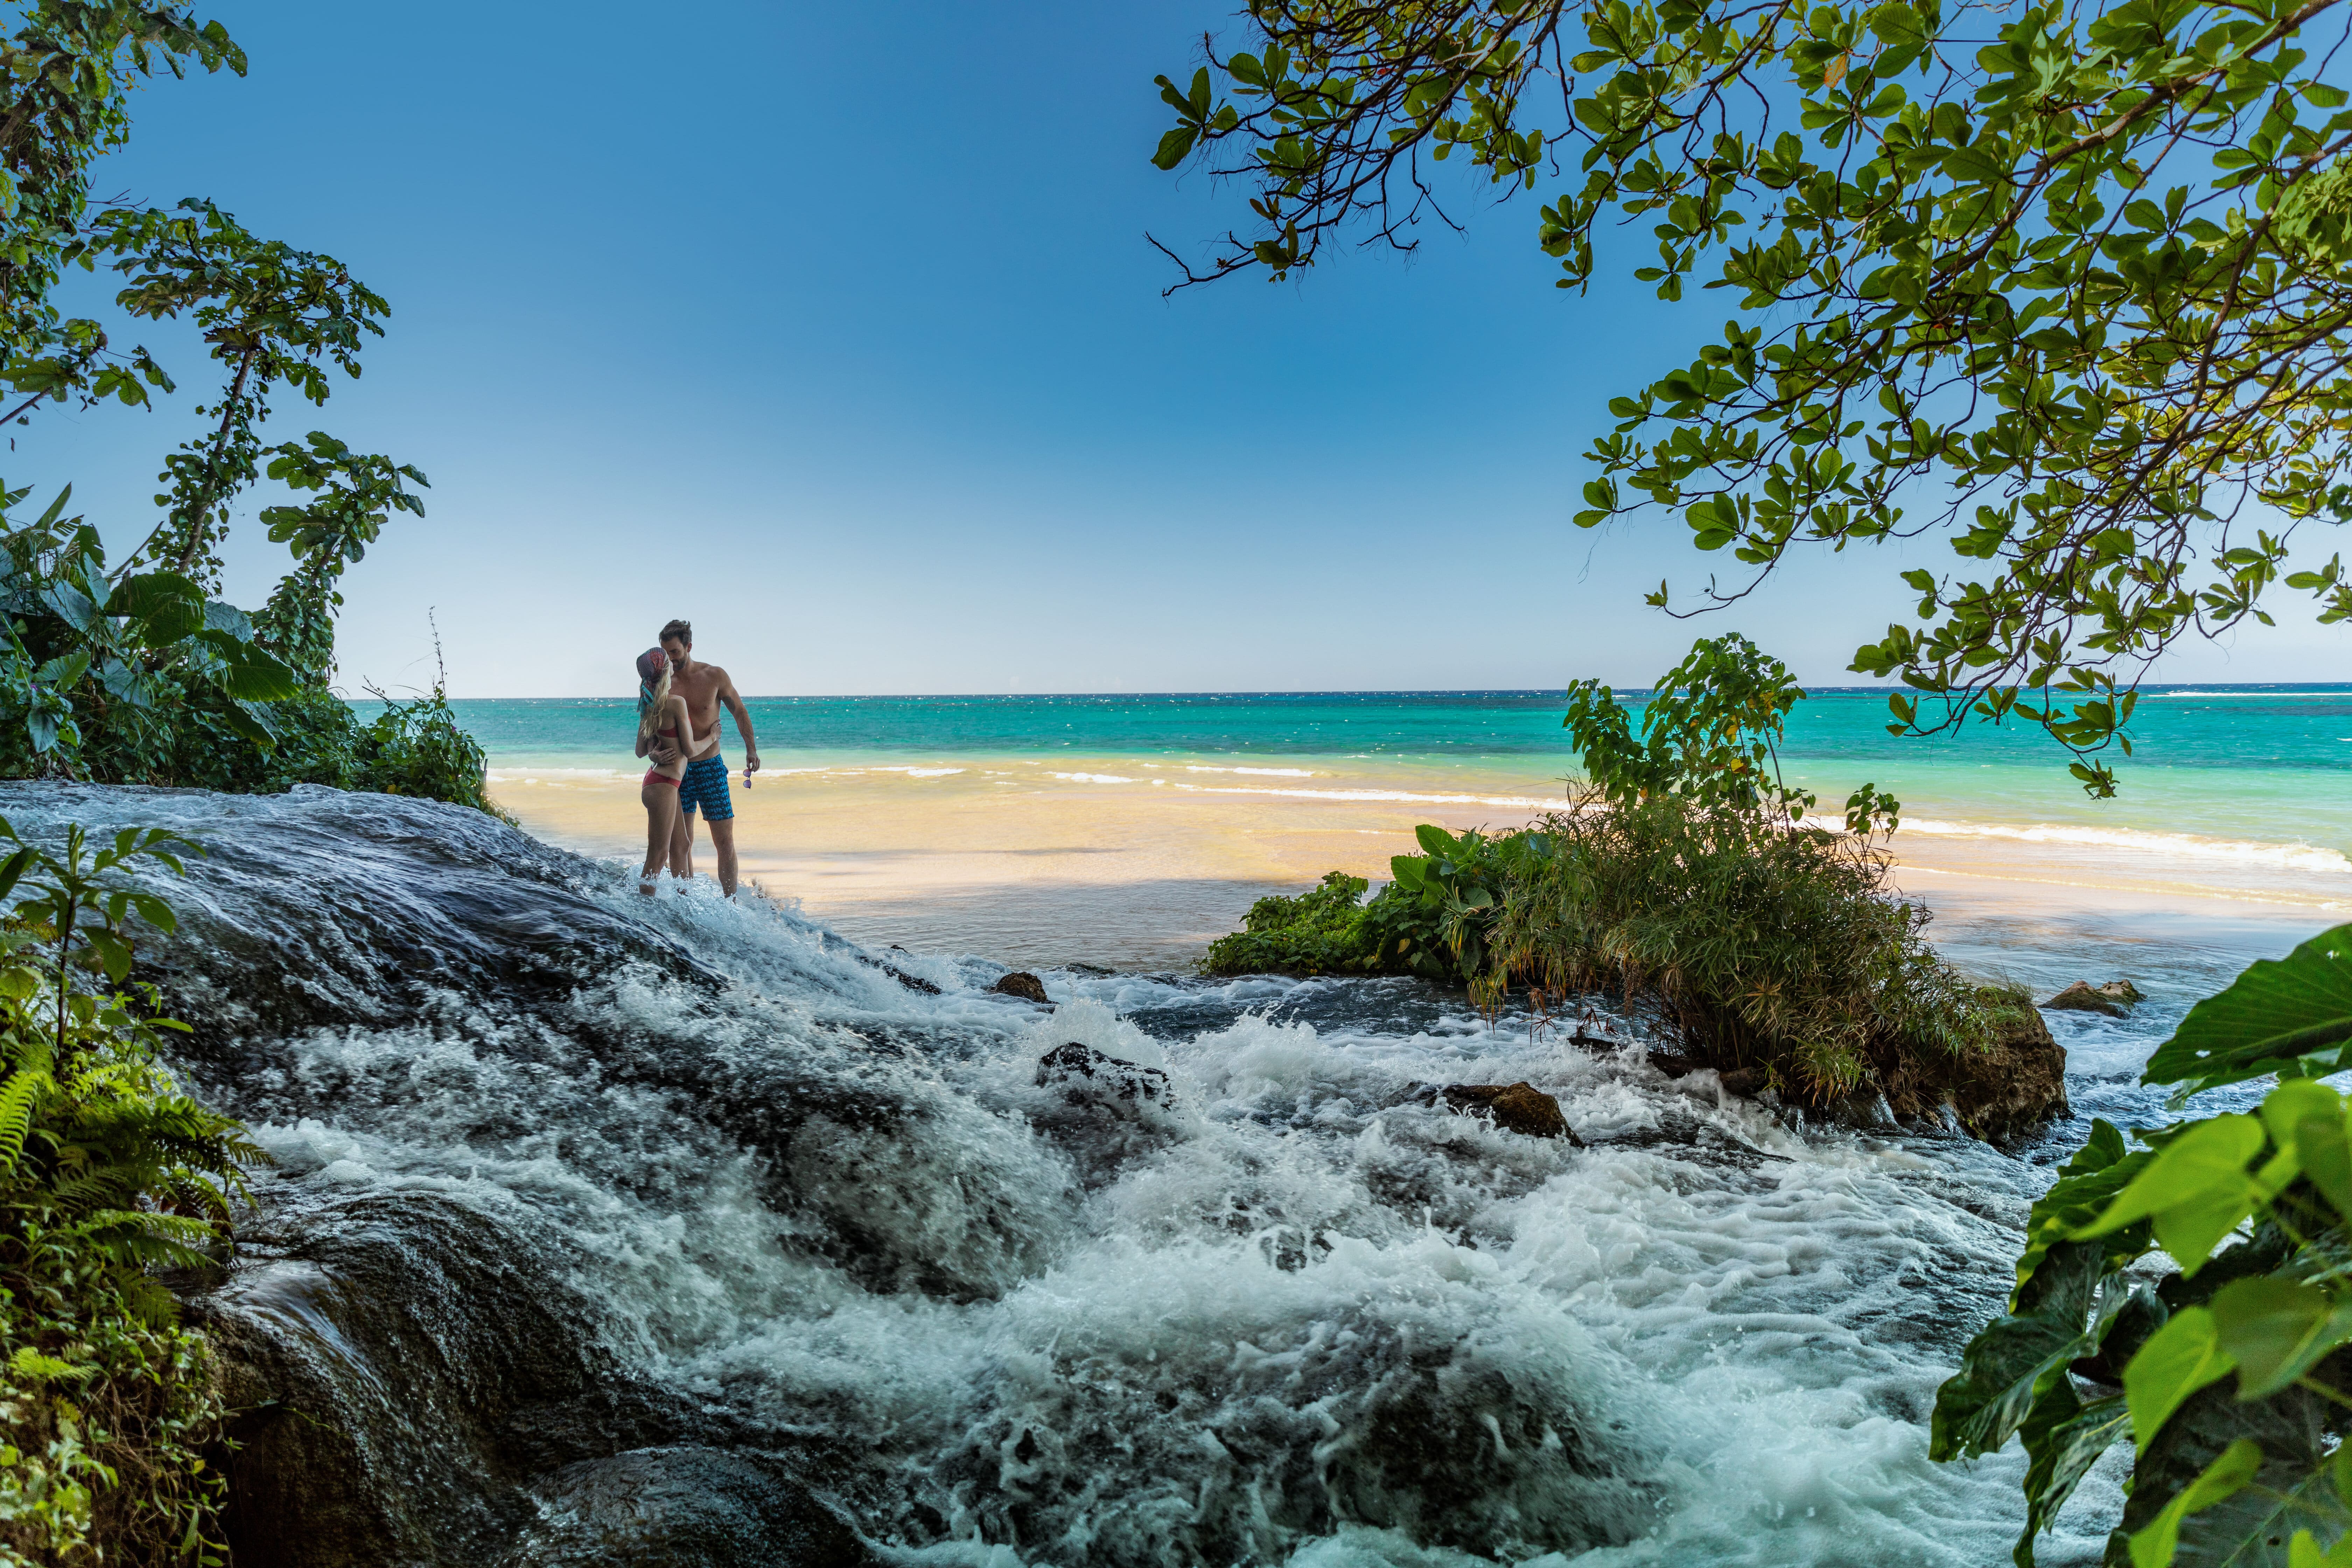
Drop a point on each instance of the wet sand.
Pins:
(1129, 866)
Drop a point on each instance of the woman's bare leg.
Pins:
(661, 824)
(681, 848)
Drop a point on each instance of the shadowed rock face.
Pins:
(1025, 985)
(654, 1507)
(1998, 1096)
(412, 1387)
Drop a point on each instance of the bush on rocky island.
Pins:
(1779, 950)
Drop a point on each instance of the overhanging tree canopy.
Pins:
(2065, 288)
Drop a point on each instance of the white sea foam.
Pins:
(1095, 778)
(1414, 798)
(1174, 1334)
(1272, 772)
(2141, 841)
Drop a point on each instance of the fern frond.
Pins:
(22, 1092)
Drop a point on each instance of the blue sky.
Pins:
(836, 329)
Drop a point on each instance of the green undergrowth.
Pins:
(1782, 949)
(108, 1173)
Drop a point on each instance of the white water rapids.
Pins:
(1296, 1317)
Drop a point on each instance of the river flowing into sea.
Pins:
(1282, 1310)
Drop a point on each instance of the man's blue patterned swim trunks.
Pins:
(706, 786)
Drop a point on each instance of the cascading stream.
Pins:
(795, 1210)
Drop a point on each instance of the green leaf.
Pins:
(2195, 1191)
(250, 724)
(2015, 1360)
(2276, 1330)
(2086, 1184)
(113, 952)
(2153, 1547)
(2063, 1439)
(13, 869)
(2178, 1359)
(2277, 1015)
(259, 677)
(1435, 841)
(2249, 1526)
(1175, 146)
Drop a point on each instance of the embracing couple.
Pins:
(678, 730)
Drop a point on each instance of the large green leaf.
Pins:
(252, 723)
(167, 606)
(2195, 1191)
(2063, 1439)
(2178, 1361)
(257, 677)
(2252, 1527)
(2086, 1184)
(2016, 1359)
(2293, 1013)
(2277, 1330)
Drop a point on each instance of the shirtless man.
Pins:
(705, 687)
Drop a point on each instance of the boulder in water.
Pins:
(1025, 985)
(1088, 1076)
(1513, 1107)
(663, 1508)
(2115, 998)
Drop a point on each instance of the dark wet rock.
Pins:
(1998, 1095)
(1673, 1063)
(669, 1508)
(911, 981)
(398, 1371)
(2115, 998)
(1085, 1075)
(1025, 985)
(1745, 1082)
(1513, 1107)
(1865, 1110)
(1590, 1041)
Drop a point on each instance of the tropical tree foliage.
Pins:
(134, 670)
(2232, 1375)
(2065, 288)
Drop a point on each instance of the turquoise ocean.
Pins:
(2254, 765)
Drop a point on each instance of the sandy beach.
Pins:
(1129, 864)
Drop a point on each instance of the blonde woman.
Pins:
(661, 715)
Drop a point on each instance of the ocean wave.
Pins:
(2316, 696)
(1532, 803)
(1276, 772)
(2184, 846)
(1093, 778)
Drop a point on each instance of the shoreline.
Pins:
(1114, 862)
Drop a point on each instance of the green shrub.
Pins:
(1774, 947)
(106, 1173)
(1321, 932)
(419, 747)
(1782, 949)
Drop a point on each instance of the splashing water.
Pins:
(1294, 1314)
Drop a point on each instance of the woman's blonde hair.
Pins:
(651, 701)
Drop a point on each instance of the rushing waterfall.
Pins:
(582, 1196)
